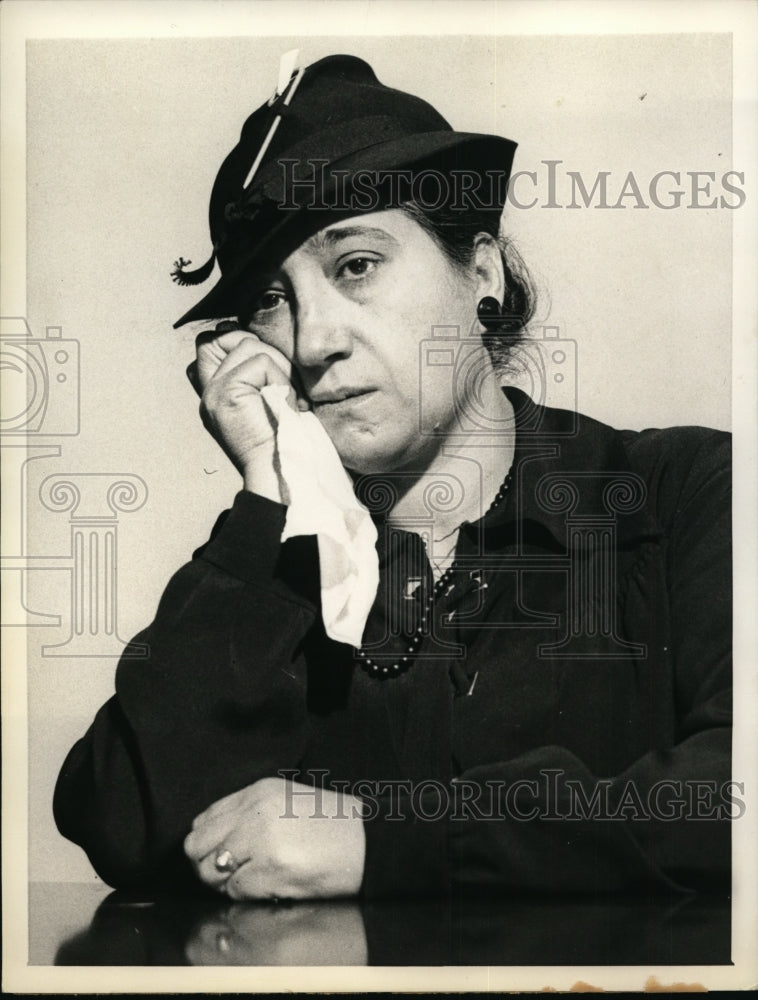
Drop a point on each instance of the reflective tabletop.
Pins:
(78, 924)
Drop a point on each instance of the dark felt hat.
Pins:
(331, 123)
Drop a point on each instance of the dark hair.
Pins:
(455, 232)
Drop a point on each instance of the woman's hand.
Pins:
(287, 841)
(230, 369)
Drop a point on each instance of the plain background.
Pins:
(124, 138)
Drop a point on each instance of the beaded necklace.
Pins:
(384, 671)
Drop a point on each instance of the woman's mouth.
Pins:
(341, 397)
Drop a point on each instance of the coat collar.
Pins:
(569, 465)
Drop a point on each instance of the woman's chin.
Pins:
(370, 454)
(362, 447)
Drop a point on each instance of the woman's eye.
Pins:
(357, 267)
(268, 301)
(263, 309)
(262, 306)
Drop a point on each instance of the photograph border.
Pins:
(22, 20)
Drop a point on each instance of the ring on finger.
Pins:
(225, 862)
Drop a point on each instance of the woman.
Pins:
(540, 695)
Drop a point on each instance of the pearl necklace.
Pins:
(385, 671)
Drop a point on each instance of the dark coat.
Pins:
(566, 725)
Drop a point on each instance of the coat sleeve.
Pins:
(543, 821)
(190, 722)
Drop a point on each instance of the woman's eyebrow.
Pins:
(330, 237)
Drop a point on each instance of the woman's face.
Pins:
(350, 308)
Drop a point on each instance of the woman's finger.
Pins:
(243, 797)
(235, 835)
(250, 881)
(230, 823)
(209, 875)
(211, 347)
(215, 346)
(231, 404)
(213, 350)
(228, 395)
(219, 806)
(226, 334)
(252, 350)
(208, 837)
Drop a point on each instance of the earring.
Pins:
(489, 312)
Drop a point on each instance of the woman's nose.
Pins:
(322, 331)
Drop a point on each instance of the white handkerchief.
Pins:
(322, 502)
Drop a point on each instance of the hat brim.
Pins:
(460, 150)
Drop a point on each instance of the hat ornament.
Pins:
(287, 83)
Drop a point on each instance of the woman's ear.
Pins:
(488, 264)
